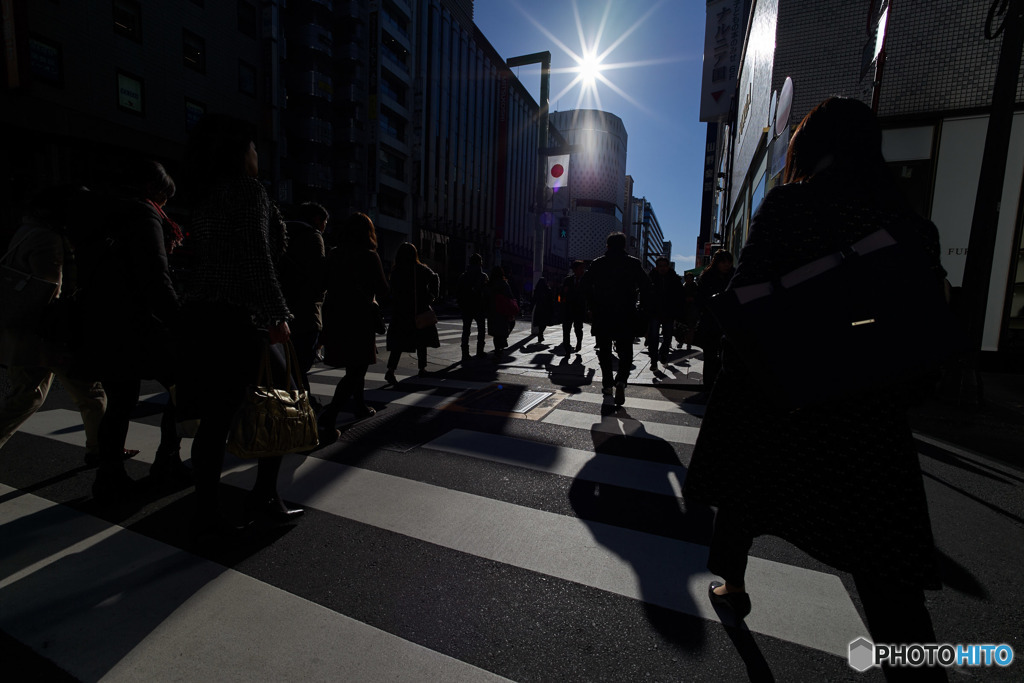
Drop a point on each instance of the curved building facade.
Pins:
(597, 176)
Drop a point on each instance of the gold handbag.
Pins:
(273, 421)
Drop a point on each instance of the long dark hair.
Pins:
(840, 134)
(216, 150)
(406, 259)
(357, 233)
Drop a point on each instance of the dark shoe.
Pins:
(620, 393)
(423, 373)
(327, 436)
(737, 603)
(363, 412)
(389, 377)
(270, 511)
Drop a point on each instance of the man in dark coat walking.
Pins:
(665, 304)
(612, 285)
(470, 295)
(574, 306)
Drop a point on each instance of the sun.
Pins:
(589, 69)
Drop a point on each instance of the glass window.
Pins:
(246, 78)
(129, 93)
(128, 19)
(193, 112)
(46, 61)
(194, 50)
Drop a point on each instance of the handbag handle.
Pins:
(264, 377)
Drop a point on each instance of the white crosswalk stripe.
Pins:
(796, 604)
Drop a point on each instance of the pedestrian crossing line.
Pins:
(131, 609)
(65, 426)
(652, 404)
(574, 463)
(799, 605)
(429, 381)
(609, 424)
(415, 399)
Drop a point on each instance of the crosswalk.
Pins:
(504, 498)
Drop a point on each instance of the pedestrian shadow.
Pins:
(644, 523)
(570, 375)
(76, 584)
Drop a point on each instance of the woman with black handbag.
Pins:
(355, 285)
(414, 286)
(839, 479)
(234, 306)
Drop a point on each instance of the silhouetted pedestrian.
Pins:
(574, 306)
(612, 284)
(414, 286)
(840, 480)
(543, 308)
(470, 296)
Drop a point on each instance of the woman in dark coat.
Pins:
(355, 281)
(839, 480)
(414, 286)
(126, 291)
(543, 307)
(234, 306)
(501, 308)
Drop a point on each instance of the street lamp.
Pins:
(544, 59)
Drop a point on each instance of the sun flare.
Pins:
(590, 69)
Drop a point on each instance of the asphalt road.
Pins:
(452, 538)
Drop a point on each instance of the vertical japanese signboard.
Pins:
(723, 43)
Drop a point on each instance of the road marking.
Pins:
(800, 605)
(792, 603)
(609, 424)
(105, 602)
(659, 405)
(430, 381)
(640, 475)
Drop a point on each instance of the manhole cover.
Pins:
(503, 398)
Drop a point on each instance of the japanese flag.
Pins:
(558, 171)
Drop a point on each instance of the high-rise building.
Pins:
(597, 172)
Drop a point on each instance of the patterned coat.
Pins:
(839, 480)
(230, 235)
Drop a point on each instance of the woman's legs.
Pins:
(421, 358)
(112, 481)
(730, 544)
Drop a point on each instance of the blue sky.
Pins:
(654, 66)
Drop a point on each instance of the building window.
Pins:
(246, 78)
(193, 112)
(46, 61)
(128, 19)
(248, 19)
(130, 93)
(193, 48)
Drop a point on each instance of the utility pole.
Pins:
(1006, 18)
(539, 247)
